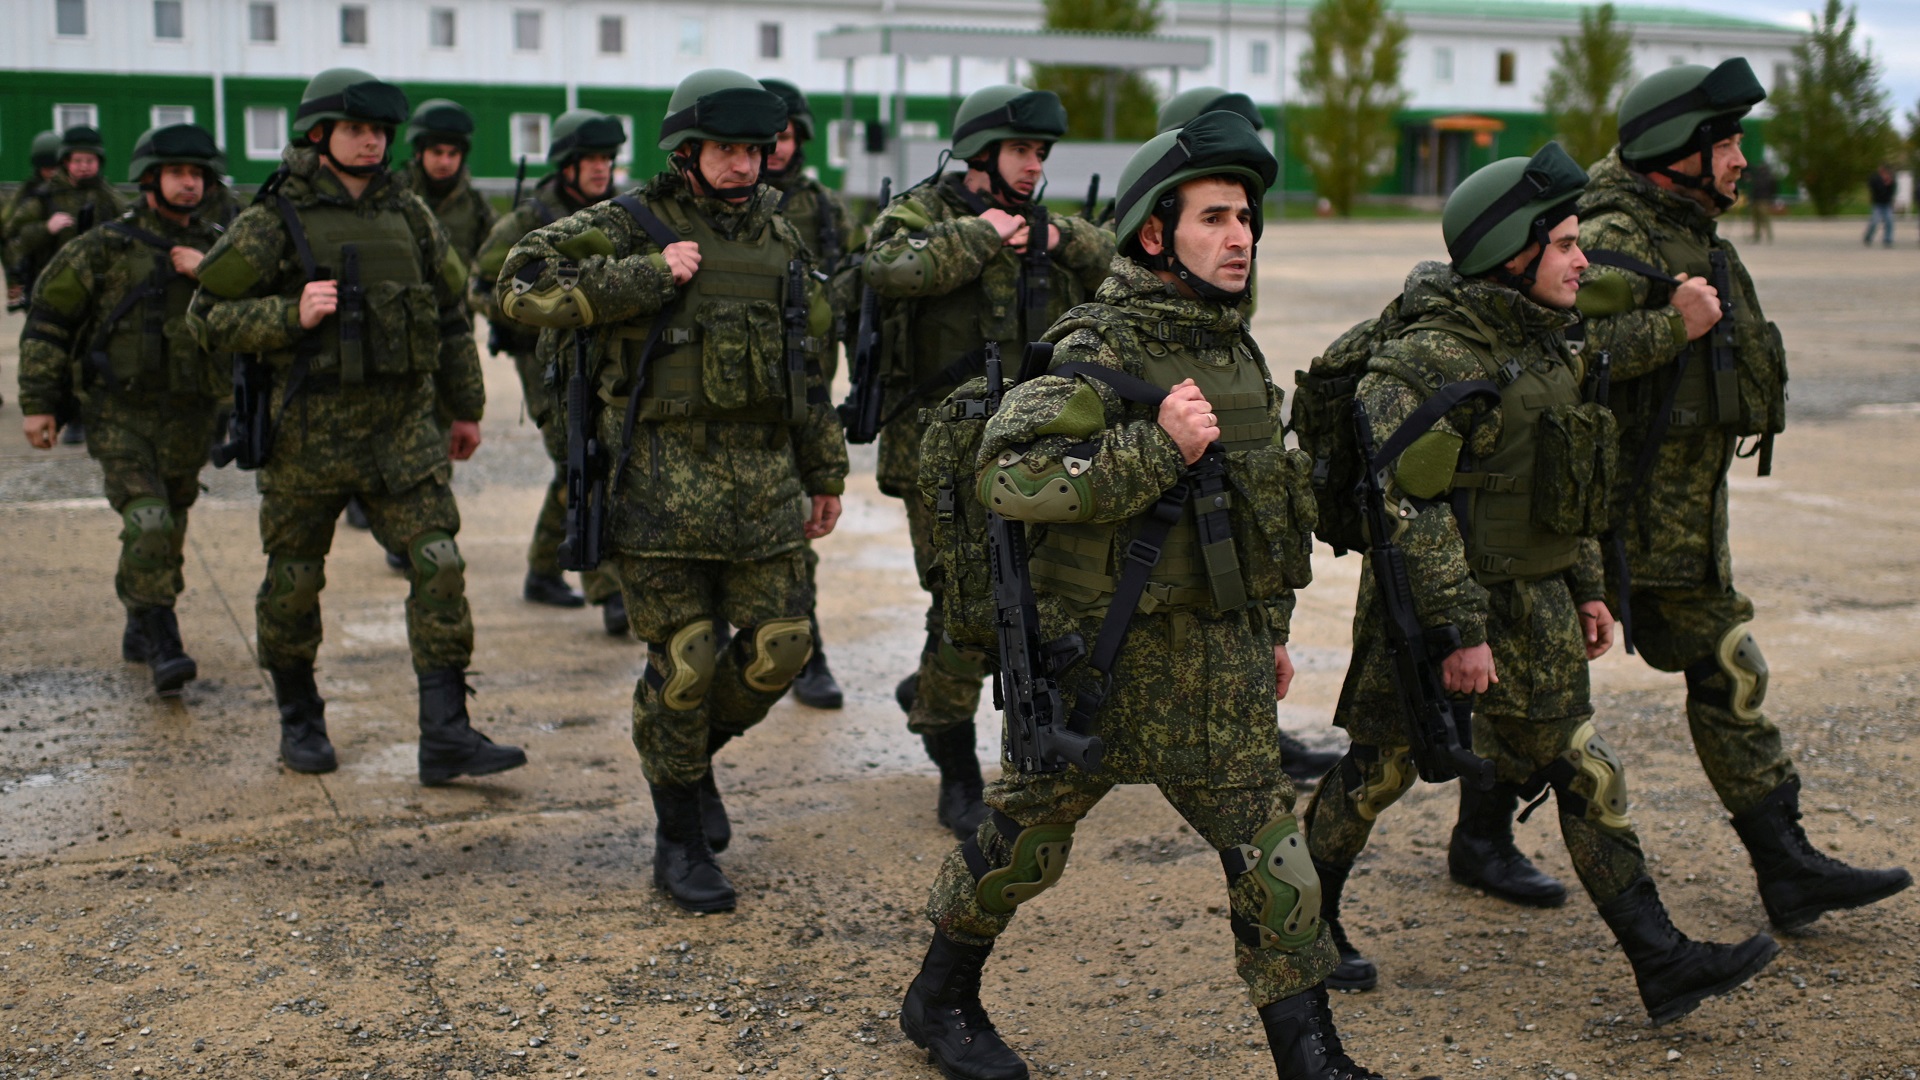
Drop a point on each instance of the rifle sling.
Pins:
(661, 235)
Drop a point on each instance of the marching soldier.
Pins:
(346, 285)
(441, 135)
(693, 306)
(44, 157)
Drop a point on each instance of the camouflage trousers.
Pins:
(543, 554)
(1680, 629)
(667, 595)
(949, 676)
(150, 453)
(296, 529)
(1191, 712)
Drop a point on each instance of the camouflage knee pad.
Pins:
(1588, 780)
(781, 647)
(146, 533)
(1734, 678)
(1376, 777)
(293, 585)
(439, 573)
(682, 672)
(1282, 871)
(1039, 857)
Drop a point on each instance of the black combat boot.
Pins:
(816, 687)
(1483, 856)
(550, 589)
(1355, 972)
(74, 434)
(1676, 973)
(613, 615)
(906, 691)
(944, 1017)
(682, 861)
(398, 562)
(961, 785)
(1303, 762)
(1305, 1045)
(303, 721)
(1798, 882)
(357, 514)
(172, 667)
(713, 812)
(449, 745)
(133, 641)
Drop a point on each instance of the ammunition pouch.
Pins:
(1576, 460)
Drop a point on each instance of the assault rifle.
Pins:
(250, 428)
(519, 182)
(1036, 270)
(860, 413)
(796, 316)
(352, 312)
(1036, 737)
(1724, 360)
(1439, 727)
(1093, 198)
(586, 510)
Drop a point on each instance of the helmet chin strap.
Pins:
(988, 162)
(689, 166)
(326, 151)
(152, 187)
(1704, 180)
(1168, 261)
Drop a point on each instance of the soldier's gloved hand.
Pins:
(464, 440)
(1282, 672)
(1468, 671)
(317, 301)
(40, 430)
(826, 514)
(1189, 420)
(1596, 625)
(1007, 225)
(186, 260)
(1698, 303)
(683, 259)
(60, 222)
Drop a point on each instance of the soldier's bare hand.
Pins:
(1189, 421)
(186, 260)
(683, 260)
(1282, 672)
(1698, 303)
(317, 301)
(40, 430)
(1009, 226)
(1468, 671)
(1596, 625)
(826, 514)
(464, 439)
(61, 222)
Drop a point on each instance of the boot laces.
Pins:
(963, 996)
(1798, 836)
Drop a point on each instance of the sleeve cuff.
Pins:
(1677, 326)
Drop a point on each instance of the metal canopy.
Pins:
(1082, 48)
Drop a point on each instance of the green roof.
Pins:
(1549, 11)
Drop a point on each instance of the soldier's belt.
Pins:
(1514, 566)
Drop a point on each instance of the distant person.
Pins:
(1762, 189)
(1880, 194)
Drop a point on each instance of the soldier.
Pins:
(581, 153)
(720, 435)
(1189, 695)
(950, 257)
(342, 280)
(116, 298)
(1514, 573)
(441, 134)
(1649, 221)
(44, 157)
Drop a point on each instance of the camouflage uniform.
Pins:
(29, 244)
(463, 212)
(970, 286)
(819, 214)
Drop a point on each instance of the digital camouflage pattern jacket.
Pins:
(28, 241)
(543, 206)
(466, 214)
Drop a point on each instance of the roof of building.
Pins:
(1547, 10)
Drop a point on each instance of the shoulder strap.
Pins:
(1627, 262)
(1131, 387)
(661, 235)
(135, 232)
(1443, 401)
(298, 234)
(650, 222)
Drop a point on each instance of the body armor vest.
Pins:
(812, 213)
(399, 330)
(147, 348)
(1756, 344)
(458, 214)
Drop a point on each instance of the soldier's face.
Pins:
(783, 150)
(183, 185)
(591, 174)
(1556, 284)
(1022, 163)
(441, 162)
(47, 174)
(82, 165)
(1729, 165)
(730, 165)
(356, 142)
(1214, 235)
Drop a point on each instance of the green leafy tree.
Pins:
(1831, 124)
(1591, 72)
(1350, 76)
(1102, 103)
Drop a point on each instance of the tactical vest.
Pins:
(140, 344)
(811, 212)
(1760, 356)
(460, 216)
(1082, 561)
(400, 331)
(722, 353)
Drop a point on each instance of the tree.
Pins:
(1591, 72)
(1350, 76)
(1831, 124)
(1102, 103)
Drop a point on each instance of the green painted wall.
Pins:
(125, 105)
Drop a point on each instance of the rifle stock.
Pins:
(860, 412)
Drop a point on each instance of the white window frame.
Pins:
(779, 39)
(696, 29)
(517, 145)
(366, 25)
(1443, 64)
(90, 116)
(276, 117)
(452, 16)
(1259, 58)
(181, 5)
(157, 114)
(273, 19)
(528, 17)
(619, 23)
(86, 22)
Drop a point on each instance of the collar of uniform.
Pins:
(308, 181)
(1434, 289)
(1611, 184)
(728, 219)
(146, 217)
(417, 181)
(1161, 311)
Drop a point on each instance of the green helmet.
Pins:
(722, 106)
(1500, 209)
(45, 153)
(85, 139)
(1184, 106)
(1219, 143)
(798, 110)
(994, 113)
(439, 122)
(583, 131)
(1675, 112)
(349, 94)
(175, 144)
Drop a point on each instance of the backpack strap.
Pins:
(1619, 261)
(1422, 419)
(661, 235)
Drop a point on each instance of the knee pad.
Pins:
(1738, 655)
(1039, 858)
(1376, 780)
(1283, 871)
(439, 573)
(781, 648)
(683, 671)
(146, 533)
(293, 585)
(1589, 780)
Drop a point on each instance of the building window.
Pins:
(67, 116)
(353, 24)
(440, 28)
(1443, 64)
(1782, 76)
(527, 135)
(526, 31)
(769, 41)
(1259, 55)
(693, 37)
(266, 132)
(70, 18)
(613, 35)
(169, 115)
(263, 24)
(1506, 67)
(168, 23)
